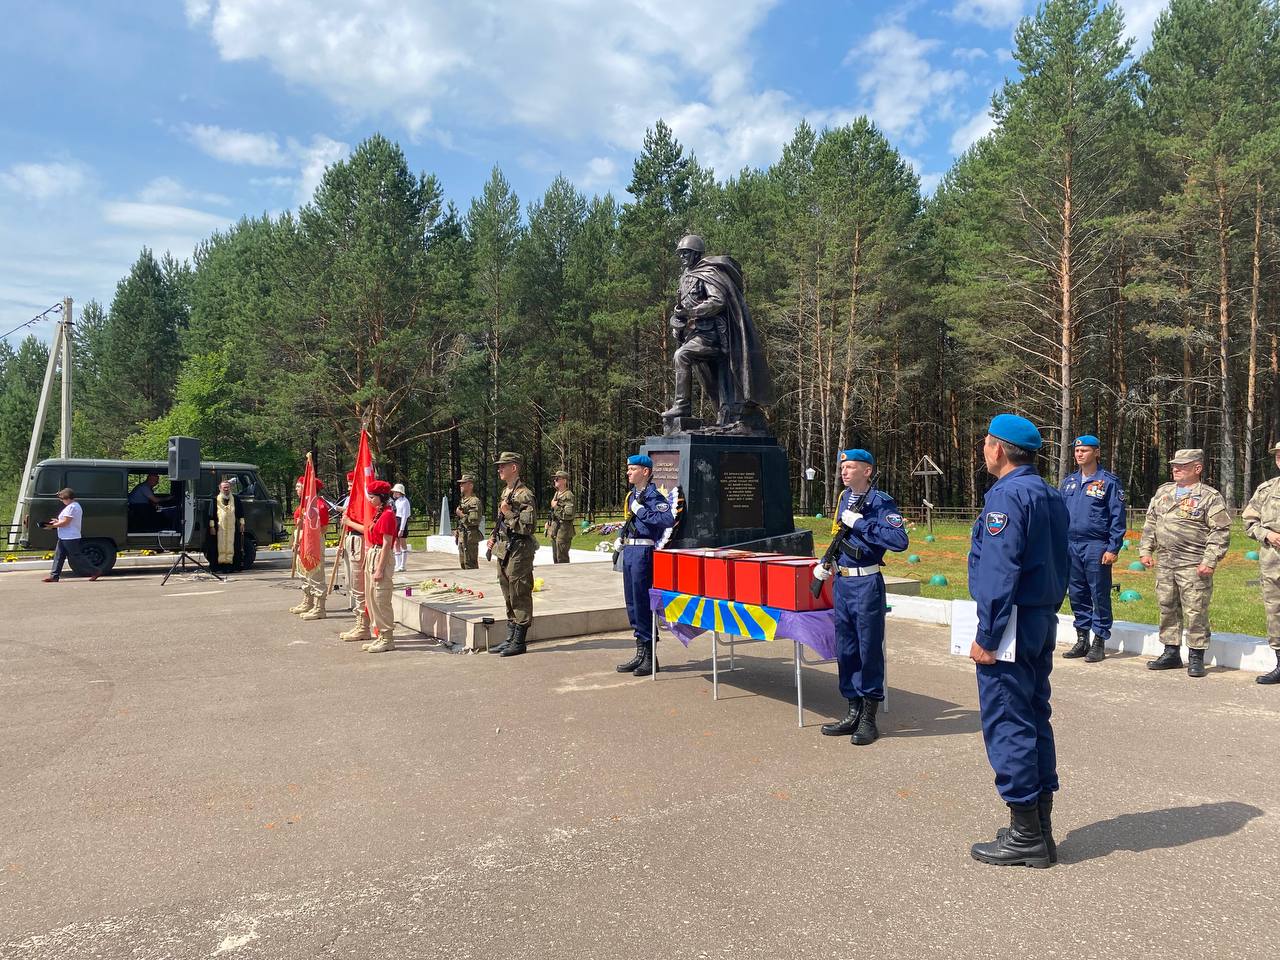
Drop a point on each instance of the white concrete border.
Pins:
(440, 544)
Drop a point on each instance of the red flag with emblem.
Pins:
(358, 507)
(311, 535)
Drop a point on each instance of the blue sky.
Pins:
(157, 126)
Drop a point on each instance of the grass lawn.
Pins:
(1237, 602)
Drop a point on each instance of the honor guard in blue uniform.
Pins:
(874, 525)
(1095, 504)
(1018, 568)
(649, 516)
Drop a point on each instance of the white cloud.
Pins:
(171, 190)
(1140, 17)
(573, 70)
(903, 86)
(161, 218)
(601, 174)
(928, 181)
(972, 130)
(321, 152)
(46, 181)
(237, 146)
(989, 13)
(969, 54)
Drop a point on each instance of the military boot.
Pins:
(842, 728)
(515, 646)
(1045, 809)
(1195, 663)
(866, 732)
(1081, 645)
(317, 609)
(1021, 845)
(511, 632)
(1274, 675)
(1171, 659)
(358, 631)
(1097, 651)
(647, 667)
(304, 606)
(386, 641)
(634, 661)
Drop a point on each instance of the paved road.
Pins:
(190, 772)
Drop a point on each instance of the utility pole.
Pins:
(65, 440)
(59, 348)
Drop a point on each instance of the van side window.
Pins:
(49, 481)
(96, 482)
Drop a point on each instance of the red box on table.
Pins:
(717, 572)
(679, 570)
(664, 569)
(787, 585)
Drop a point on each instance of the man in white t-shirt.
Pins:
(68, 524)
(403, 509)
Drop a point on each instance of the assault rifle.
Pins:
(501, 529)
(833, 551)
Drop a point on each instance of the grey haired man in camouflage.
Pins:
(1262, 522)
(1189, 527)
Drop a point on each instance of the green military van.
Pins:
(112, 524)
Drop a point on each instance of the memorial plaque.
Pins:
(741, 497)
(666, 469)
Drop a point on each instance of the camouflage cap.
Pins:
(506, 456)
(1275, 447)
(1189, 455)
(466, 478)
(561, 474)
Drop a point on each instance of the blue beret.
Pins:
(1087, 440)
(857, 453)
(1017, 430)
(639, 460)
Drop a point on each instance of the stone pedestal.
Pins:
(737, 491)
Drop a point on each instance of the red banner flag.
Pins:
(311, 527)
(358, 507)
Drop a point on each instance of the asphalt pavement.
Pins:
(189, 771)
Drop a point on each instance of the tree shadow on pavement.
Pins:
(1155, 830)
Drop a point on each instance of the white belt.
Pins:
(857, 571)
(637, 542)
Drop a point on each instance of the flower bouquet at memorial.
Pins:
(443, 590)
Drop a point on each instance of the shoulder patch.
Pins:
(893, 519)
(1120, 494)
(996, 522)
(662, 506)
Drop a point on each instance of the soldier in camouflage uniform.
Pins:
(559, 527)
(513, 546)
(1188, 525)
(1262, 522)
(468, 514)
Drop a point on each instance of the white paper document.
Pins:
(964, 629)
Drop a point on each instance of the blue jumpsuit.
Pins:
(1018, 556)
(653, 518)
(1096, 508)
(859, 601)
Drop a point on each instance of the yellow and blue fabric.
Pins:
(689, 615)
(1096, 508)
(1018, 556)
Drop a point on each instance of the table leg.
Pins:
(732, 665)
(795, 652)
(715, 666)
(884, 658)
(653, 644)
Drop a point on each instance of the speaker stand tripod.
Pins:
(179, 565)
(188, 524)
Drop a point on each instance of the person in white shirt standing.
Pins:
(403, 509)
(68, 524)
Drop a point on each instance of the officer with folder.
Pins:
(1018, 567)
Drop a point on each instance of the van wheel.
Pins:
(249, 549)
(99, 553)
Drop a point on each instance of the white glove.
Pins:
(821, 573)
(617, 545)
(850, 517)
(637, 508)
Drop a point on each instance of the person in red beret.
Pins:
(378, 575)
(313, 585)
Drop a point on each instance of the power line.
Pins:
(56, 308)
